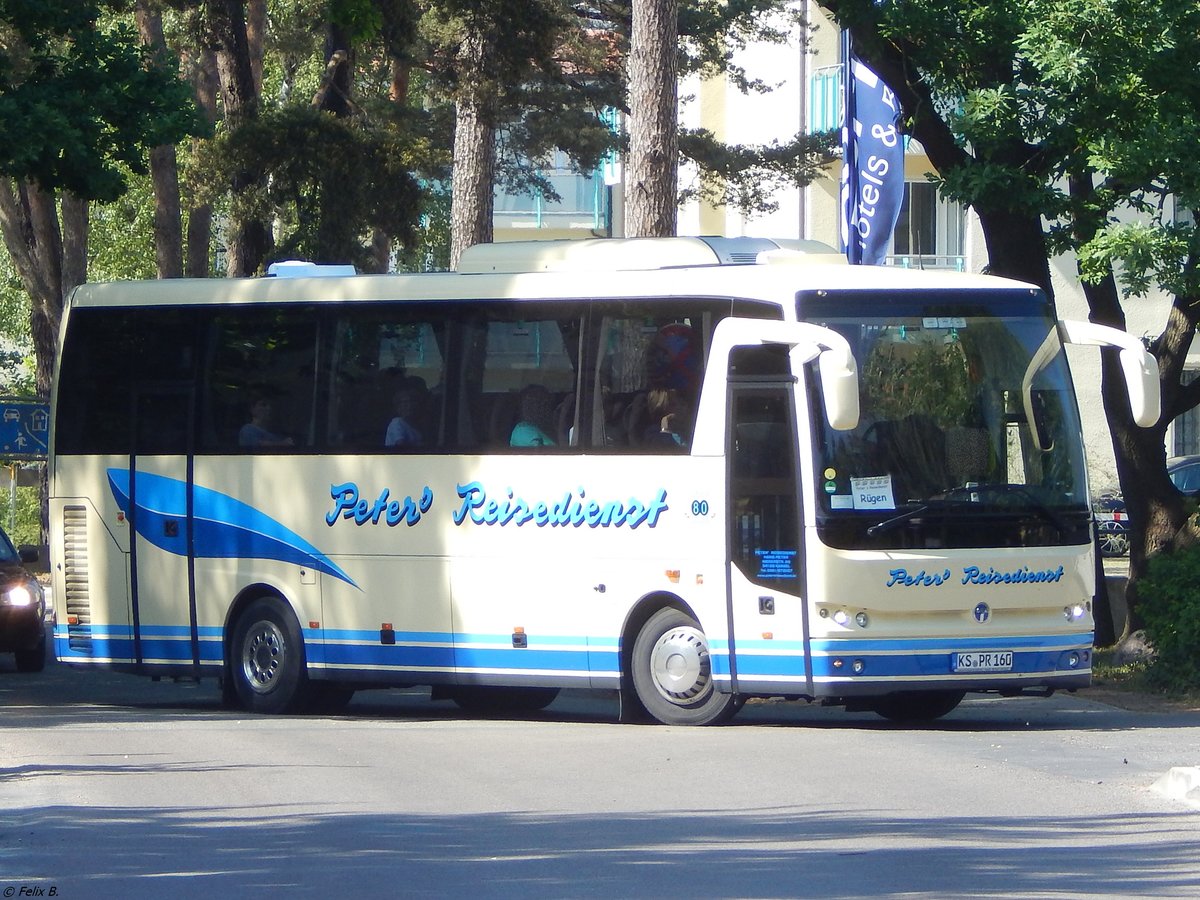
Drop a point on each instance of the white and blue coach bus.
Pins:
(691, 470)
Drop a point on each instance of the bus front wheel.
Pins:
(672, 672)
(267, 660)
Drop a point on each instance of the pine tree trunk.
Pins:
(249, 238)
(471, 201)
(202, 73)
(472, 198)
(256, 32)
(164, 169)
(652, 174)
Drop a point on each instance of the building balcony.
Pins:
(583, 204)
(951, 263)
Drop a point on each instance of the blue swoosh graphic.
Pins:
(223, 527)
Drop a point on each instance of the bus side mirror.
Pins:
(1141, 378)
(1137, 365)
(839, 388)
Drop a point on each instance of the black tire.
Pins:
(672, 672)
(918, 706)
(486, 699)
(32, 661)
(266, 660)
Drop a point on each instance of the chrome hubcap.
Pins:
(680, 665)
(262, 656)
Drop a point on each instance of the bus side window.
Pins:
(125, 381)
(386, 382)
(261, 380)
(520, 391)
(647, 380)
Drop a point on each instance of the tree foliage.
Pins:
(329, 182)
(86, 100)
(751, 177)
(1085, 115)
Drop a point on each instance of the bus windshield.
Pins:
(968, 437)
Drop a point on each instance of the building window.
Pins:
(582, 199)
(929, 230)
(1185, 430)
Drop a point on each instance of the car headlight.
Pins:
(23, 595)
(19, 596)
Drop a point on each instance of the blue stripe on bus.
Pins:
(507, 638)
(372, 636)
(122, 648)
(398, 656)
(919, 657)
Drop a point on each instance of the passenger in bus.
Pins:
(537, 419)
(401, 431)
(670, 420)
(255, 433)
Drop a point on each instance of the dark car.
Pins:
(1184, 472)
(1112, 521)
(22, 608)
(1112, 524)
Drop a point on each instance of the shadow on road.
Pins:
(692, 851)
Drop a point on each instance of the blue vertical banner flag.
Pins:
(873, 165)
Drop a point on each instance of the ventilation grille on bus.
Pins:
(78, 602)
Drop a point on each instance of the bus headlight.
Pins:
(862, 620)
(1074, 613)
(841, 617)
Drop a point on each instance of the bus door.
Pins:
(159, 505)
(749, 413)
(767, 613)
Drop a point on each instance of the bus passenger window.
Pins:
(125, 382)
(259, 390)
(648, 382)
(386, 382)
(519, 392)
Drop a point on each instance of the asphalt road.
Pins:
(115, 786)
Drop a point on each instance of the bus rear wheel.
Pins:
(917, 706)
(672, 672)
(267, 659)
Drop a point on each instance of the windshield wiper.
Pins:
(965, 496)
(889, 524)
(1007, 490)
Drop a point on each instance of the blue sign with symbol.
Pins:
(24, 429)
